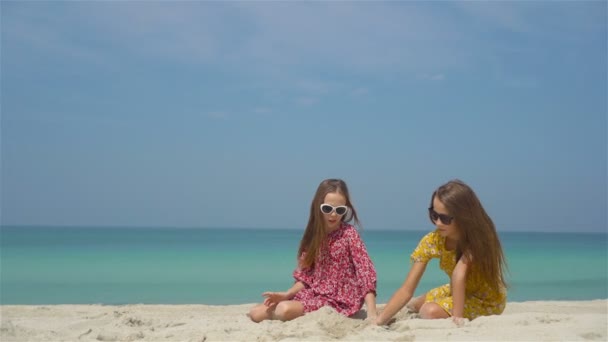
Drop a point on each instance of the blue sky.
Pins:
(229, 114)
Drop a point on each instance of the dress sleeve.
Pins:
(305, 275)
(428, 248)
(364, 267)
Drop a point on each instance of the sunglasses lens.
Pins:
(433, 215)
(445, 219)
(341, 210)
(326, 208)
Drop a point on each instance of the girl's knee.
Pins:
(258, 313)
(432, 311)
(283, 311)
(414, 304)
(288, 310)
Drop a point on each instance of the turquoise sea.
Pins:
(61, 265)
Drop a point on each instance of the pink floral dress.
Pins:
(342, 275)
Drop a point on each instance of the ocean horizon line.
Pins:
(141, 227)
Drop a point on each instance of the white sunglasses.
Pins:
(328, 209)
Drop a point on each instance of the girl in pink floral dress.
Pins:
(334, 268)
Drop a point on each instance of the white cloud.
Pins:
(284, 42)
(262, 110)
(435, 77)
(314, 86)
(360, 91)
(217, 115)
(306, 101)
(359, 37)
(550, 19)
(526, 82)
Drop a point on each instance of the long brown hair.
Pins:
(478, 237)
(314, 235)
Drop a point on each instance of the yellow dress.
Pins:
(480, 298)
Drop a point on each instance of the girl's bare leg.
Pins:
(261, 312)
(288, 310)
(284, 311)
(432, 311)
(416, 303)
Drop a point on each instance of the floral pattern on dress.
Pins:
(342, 275)
(480, 298)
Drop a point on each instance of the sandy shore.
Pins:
(525, 321)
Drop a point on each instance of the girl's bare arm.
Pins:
(403, 294)
(458, 284)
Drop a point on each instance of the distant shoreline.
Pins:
(364, 229)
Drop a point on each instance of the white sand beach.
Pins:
(521, 321)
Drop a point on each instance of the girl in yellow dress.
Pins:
(469, 251)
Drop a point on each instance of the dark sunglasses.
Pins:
(434, 216)
(328, 209)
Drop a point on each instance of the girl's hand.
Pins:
(459, 321)
(371, 316)
(273, 298)
(378, 321)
